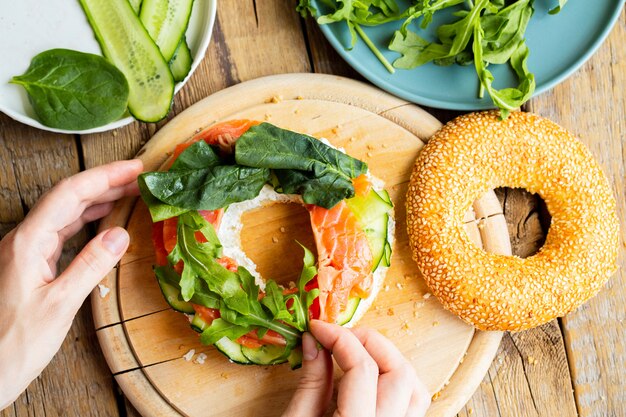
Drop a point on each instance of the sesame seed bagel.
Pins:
(478, 152)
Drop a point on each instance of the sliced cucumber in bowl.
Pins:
(126, 43)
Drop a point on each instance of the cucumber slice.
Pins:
(125, 42)
(172, 296)
(372, 212)
(265, 355)
(198, 324)
(166, 21)
(136, 5)
(348, 313)
(180, 65)
(295, 358)
(232, 350)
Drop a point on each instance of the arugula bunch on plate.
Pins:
(486, 32)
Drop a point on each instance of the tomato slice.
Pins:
(270, 338)
(206, 314)
(159, 247)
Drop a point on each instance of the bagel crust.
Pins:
(477, 152)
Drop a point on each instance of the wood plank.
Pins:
(592, 104)
(33, 161)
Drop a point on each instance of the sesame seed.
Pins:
(479, 151)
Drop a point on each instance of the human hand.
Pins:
(377, 380)
(36, 306)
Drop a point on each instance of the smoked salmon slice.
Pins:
(345, 258)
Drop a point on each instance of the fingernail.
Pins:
(309, 347)
(115, 240)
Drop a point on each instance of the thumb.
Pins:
(92, 264)
(315, 389)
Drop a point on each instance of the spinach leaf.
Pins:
(303, 165)
(159, 210)
(74, 90)
(197, 156)
(208, 188)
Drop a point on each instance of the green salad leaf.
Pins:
(74, 90)
(204, 281)
(200, 180)
(302, 164)
(500, 24)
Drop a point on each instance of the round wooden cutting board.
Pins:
(144, 341)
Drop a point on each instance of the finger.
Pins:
(89, 215)
(116, 193)
(397, 377)
(64, 203)
(96, 259)
(315, 388)
(357, 390)
(92, 213)
(420, 401)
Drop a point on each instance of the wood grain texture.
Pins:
(33, 161)
(592, 104)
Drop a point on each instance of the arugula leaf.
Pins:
(74, 90)
(199, 261)
(303, 165)
(273, 299)
(506, 99)
(202, 295)
(220, 328)
(558, 8)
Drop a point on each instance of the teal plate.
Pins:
(559, 44)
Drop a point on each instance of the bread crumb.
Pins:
(398, 285)
(352, 139)
(385, 145)
(115, 133)
(532, 360)
(282, 229)
(436, 396)
(274, 99)
(200, 358)
(224, 375)
(427, 296)
(299, 98)
(104, 290)
(386, 288)
(268, 116)
(334, 130)
(274, 239)
(405, 325)
(369, 154)
(435, 323)
(189, 355)
(470, 411)
(390, 312)
(370, 146)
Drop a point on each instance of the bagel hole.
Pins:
(270, 237)
(527, 218)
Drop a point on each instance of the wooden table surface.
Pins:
(574, 366)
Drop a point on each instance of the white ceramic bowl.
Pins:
(28, 27)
